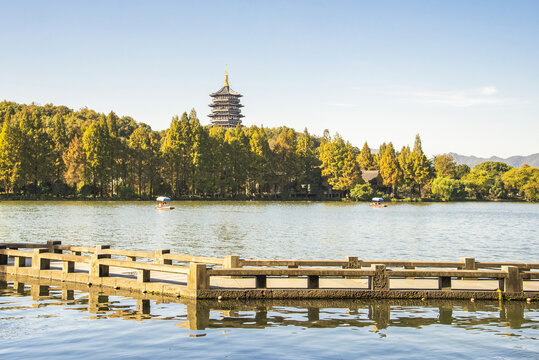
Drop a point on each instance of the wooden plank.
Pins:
(66, 257)
(255, 262)
(145, 266)
(131, 253)
(192, 258)
(12, 252)
(85, 249)
(285, 271)
(530, 275)
(24, 245)
(520, 265)
(452, 273)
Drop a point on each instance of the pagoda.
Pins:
(225, 109)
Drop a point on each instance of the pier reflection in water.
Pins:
(258, 314)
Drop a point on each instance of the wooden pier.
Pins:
(231, 277)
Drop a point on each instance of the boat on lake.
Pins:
(163, 203)
(377, 202)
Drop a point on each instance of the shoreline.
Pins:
(302, 199)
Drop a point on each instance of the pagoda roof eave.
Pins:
(226, 90)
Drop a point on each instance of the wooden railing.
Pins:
(510, 275)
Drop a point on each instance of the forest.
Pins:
(49, 152)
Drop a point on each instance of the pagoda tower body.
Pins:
(226, 107)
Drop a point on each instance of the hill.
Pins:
(515, 161)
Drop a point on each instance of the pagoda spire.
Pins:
(226, 75)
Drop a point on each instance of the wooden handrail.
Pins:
(133, 253)
(65, 257)
(355, 272)
(144, 266)
(16, 253)
(193, 258)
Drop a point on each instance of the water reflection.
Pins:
(102, 303)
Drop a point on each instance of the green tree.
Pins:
(309, 173)
(74, 159)
(366, 159)
(406, 164)
(422, 170)
(141, 153)
(522, 182)
(461, 170)
(445, 166)
(11, 147)
(97, 148)
(339, 164)
(448, 189)
(389, 168)
(362, 192)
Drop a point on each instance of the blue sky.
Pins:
(462, 74)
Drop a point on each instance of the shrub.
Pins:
(362, 192)
(448, 189)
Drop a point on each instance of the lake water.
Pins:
(52, 322)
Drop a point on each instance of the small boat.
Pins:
(377, 202)
(163, 203)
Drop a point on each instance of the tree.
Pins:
(339, 164)
(74, 159)
(445, 166)
(406, 165)
(448, 189)
(485, 179)
(97, 148)
(365, 159)
(309, 173)
(522, 182)
(37, 162)
(286, 160)
(362, 192)
(141, 153)
(11, 144)
(260, 164)
(389, 168)
(422, 171)
(461, 170)
(171, 149)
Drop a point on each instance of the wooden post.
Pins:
(513, 281)
(99, 248)
(68, 267)
(231, 262)
(96, 269)
(51, 244)
(38, 263)
(198, 278)
(3, 258)
(261, 282)
(444, 283)
(68, 294)
(313, 282)
(468, 263)
(159, 257)
(143, 306)
(353, 263)
(380, 279)
(143, 275)
(19, 261)
(131, 258)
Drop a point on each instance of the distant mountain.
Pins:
(514, 161)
